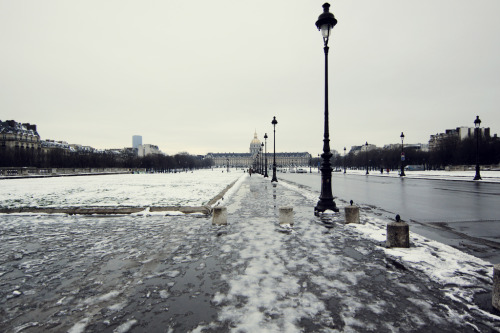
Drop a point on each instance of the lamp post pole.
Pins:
(274, 122)
(262, 158)
(366, 154)
(258, 162)
(265, 155)
(477, 123)
(325, 23)
(402, 173)
(344, 160)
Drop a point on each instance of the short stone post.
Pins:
(496, 287)
(351, 213)
(398, 234)
(219, 216)
(286, 215)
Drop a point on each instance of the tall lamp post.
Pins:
(477, 123)
(274, 122)
(325, 23)
(366, 154)
(402, 173)
(265, 155)
(344, 159)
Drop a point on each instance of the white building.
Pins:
(147, 149)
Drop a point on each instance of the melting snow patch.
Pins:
(164, 294)
(117, 306)
(102, 298)
(125, 327)
(79, 327)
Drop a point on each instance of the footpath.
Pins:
(318, 276)
(158, 273)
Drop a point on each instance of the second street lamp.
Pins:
(265, 156)
(344, 159)
(477, 123)
(325, 23)
(402, 173)
(274, 122)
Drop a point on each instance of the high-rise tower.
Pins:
(136, 141)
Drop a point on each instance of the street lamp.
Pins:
(325, 23)
(274, 122)
(228, 165)
(344, 159)
(366, 154)
(402, 173)
(477, 123)
(265, 154)
(262, 158)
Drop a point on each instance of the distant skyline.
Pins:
(202, 76)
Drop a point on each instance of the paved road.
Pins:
(459, 213)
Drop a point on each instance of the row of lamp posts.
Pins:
(477, 123)
(263, 157)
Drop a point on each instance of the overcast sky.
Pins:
(201, 76)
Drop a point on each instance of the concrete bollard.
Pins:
(398, 234)
(219, 216)
(286, 215)
(496, 287)
(351, 213)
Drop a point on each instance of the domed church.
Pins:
(246, 160)
(255, 145)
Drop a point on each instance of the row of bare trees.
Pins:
(451, 151)
(60, 158)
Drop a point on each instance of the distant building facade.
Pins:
(147, 149)
(461, 133)
(363, 148)
(15, 135)
(246, 160)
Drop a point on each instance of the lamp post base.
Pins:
(326, 198)
(478, 175)
(325, 204)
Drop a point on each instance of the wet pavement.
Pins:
(462, 214)
(179, 273)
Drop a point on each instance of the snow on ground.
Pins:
(135, 190)
(486, 175)
(145, 272)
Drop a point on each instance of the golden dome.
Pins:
(255, 140)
